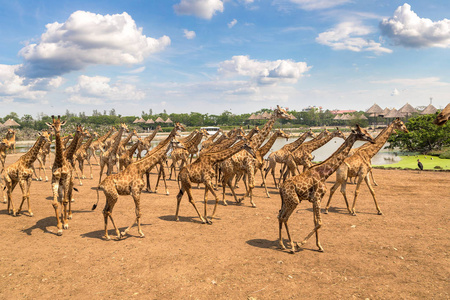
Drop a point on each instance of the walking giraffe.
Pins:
(359, 165)
(21, 172)
(10, 140)
(310, 185)
(98, 145)
(82, 154)
(109, 157)
(62, 175)
(146, 143)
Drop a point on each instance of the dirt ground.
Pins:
(402, 254)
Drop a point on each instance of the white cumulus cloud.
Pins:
(204, 9)
(407, 29)
(98, 90)
(264, 72)
(87, 39)
(13, 86)
(350, 36)
(189, 34)
(232, 23)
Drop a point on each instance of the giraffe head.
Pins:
(46, 135)
(178, 126)
(124, 127)
(362, 135)
(281, 133)
(249, 149)
(10, 132)
(56, 124)
(281, 113)
(400, 126)
(95, 134)
(310, 133)
(338, 133)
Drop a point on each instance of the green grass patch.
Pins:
(429, 163)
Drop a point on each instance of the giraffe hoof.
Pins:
(167, 193)
(81, 183)
(31, 214)
(106, 237)
(66, 226)
(320, 249)
(142, 235)
(380, 213)
(354, 214)
(326, 211)
(59, 232)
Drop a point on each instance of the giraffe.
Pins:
(359, 164)
(3, 148)
(210, 140)
(282, 155)
(10, 140)
(42, 157)
(248, 162)
(443, 116)
(146, 142)
(303, 154)
(130, 182)
(127, 157)
(62, 175)
(230, 169)
(201, 171)
(98, 144)
(21, 173)
(81, 155)
(310, 185)
(161, 173)
(125, 141)
(109, 157)
(178, 155)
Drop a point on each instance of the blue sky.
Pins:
(209, 56)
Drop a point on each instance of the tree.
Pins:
(423, 135)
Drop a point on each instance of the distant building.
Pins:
(314, 108)
(340, 112)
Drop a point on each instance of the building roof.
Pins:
(429, 110)
(407, 109)
(10, 122)
(374, 110)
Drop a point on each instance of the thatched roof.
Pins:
(159, 120)
(337, 117)
(362, 117)
(392, 114)
(252, 117)
(407, 109)
(168, 121)
(11, 122)
(385, 111)
(346, 117)
(149, 121)
(429, 110)
(266, 115)
(136, 121)
(374, 110)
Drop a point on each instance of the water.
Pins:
(383, 157)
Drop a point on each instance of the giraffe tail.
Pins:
(98, 198)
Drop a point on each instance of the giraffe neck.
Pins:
(58, 150)
(163, 143)
(319, 143)
(264, 149)
(151, 136)
(133, 149)
(189, 137)
(88, 143)
(194, 141)
(258, 139)
(369, 150)
(32, 154)
(211, 138)
(294, 145)
(127, 139)
(251, 134)
(70, 151)
(149, 161)
(327, 167)
(116, 144)
(224, 154)
(104, 137)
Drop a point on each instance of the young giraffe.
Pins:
(98, 145)
(42, 157)
(282, 155)
(109, 157)
(10, 140)
(248, 162)
(21, 172)
(201, 171)
(129, 182)
(359, 164)
(146, 143)
(303, 154)
(127, 157)
(260, 153)
(62, 177)
(310, 185)
(443, 116)
(81, 155)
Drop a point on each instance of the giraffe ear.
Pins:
(63, 122)
(48, 124)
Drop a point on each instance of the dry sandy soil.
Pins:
(402, 254)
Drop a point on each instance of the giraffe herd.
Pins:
(222, 159)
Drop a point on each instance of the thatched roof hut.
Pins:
(10, 123)
(429, 110)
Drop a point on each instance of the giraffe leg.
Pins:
(264, 183)
(136, 198)
(10, 185)
(80, 166)
(111, 200)
(209, 186)
(65, 202)
(90, 169)
(70, 197)
(317, 224)
(179, 196)
(191, 200)
(343, 192)
(332, 190)
(55, 204)
(358, 185)
(373, 194)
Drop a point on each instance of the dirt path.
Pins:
(400, 255)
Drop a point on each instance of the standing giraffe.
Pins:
(109, 157)
(303, 154)
(282, 155)
(129, 182)
(248, 162)
(21, 172)
(81, 155)
(146, 142)
(62, 176)
(210, 140)
(3, 148)
(201, 171)
(443, 116)
(10, 140)
(127, 157)
(42, 157)
(310, 185)
(359, 165)
(98, 145)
